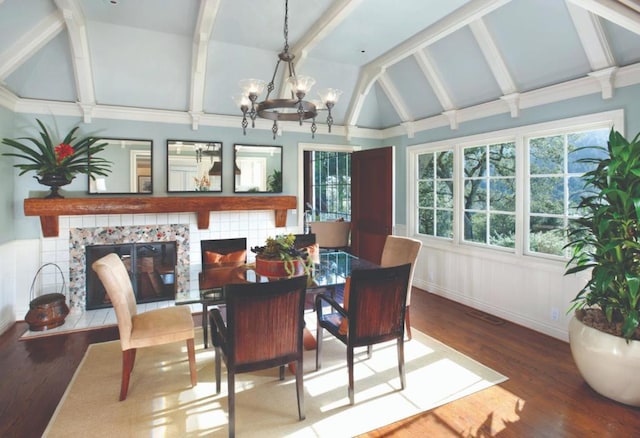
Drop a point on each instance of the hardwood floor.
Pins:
(544, 396)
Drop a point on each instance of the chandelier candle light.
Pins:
(294, 109)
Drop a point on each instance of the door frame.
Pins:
(302, 148)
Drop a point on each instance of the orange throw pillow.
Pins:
(314, 252)
(212, 257)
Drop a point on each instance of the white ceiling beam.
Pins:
(592, 37)
(336, 14)
(430, 72)
(492, 55)
(613, 11)
(201, 36)
(79, 44)
(29, 43)
(394, 97)
(461, 17)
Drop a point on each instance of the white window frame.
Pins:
(517, 135)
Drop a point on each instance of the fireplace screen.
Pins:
(151, 267)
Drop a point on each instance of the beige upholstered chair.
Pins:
(331, 234)
(398, 251)
(156, 327)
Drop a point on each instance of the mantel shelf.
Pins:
(50, 209)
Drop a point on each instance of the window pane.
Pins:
(475, 194)
(332, 185)
(502, 159)
(425, 193)
(503, 195)
(546, 155)
(425, 166)
(475, 227)
(425, 221)
(445, 194)
(590, 144)
(445, 223)
(503, 230)
(546, 235)
(547, 195)
(445, 165)
(475, 161)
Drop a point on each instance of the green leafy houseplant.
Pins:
(65, 158)
(282, 248)
(606, 239)
(275, 181)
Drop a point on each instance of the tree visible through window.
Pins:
(490, 194)
(435, 194)
(331, 186)
(555, 184)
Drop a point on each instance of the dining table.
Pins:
(204, 284)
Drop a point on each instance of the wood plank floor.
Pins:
(544, 396)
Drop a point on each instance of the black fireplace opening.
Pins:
(151, 267)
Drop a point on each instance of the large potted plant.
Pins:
(604, 333)
(55, 162)
(279, 258)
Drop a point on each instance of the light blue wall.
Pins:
(627, 98)
(26, 186)
(7, 232)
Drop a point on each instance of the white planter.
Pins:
(609, 364)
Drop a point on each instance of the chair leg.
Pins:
(318, 346)
(231, 398)
(350, 366)
(281, 372)
(191, 352)
(205, 326)
(369, 351)
(217, 366)
(300, 390)
(128, 359)
(407, 321)
(403, 381)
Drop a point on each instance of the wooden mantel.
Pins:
(50, 209)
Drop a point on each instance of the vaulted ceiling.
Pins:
(402, 65)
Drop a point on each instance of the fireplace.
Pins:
(151, 267)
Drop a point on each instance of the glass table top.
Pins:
(198, 285)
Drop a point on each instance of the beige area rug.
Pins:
(161, 402)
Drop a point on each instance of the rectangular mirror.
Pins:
(194, 166)
(257, 169)
(131, 167)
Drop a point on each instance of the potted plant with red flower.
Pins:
(56, 163)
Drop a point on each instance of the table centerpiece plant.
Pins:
(280, 258)
(55, 162)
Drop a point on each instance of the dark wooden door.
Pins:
(371, 201)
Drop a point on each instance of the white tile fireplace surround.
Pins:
(67, 250)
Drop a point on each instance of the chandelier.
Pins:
(294, 109)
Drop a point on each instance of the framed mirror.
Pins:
(131, 167)
(257, 169)
(194, 166)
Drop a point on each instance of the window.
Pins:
(516, 190)
(435, 194)
(331, 185)
(555, 185)
(490, 194)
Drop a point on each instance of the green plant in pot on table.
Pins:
(280, 258)
(55, 162)
(606, 241)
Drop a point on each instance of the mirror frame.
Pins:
(193, 143)
(238, 165)
(134, 178)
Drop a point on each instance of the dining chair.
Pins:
(399, 250)
(263, 329)
(139, 330)
(308, 242)
(217, 253)
(372, 313)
